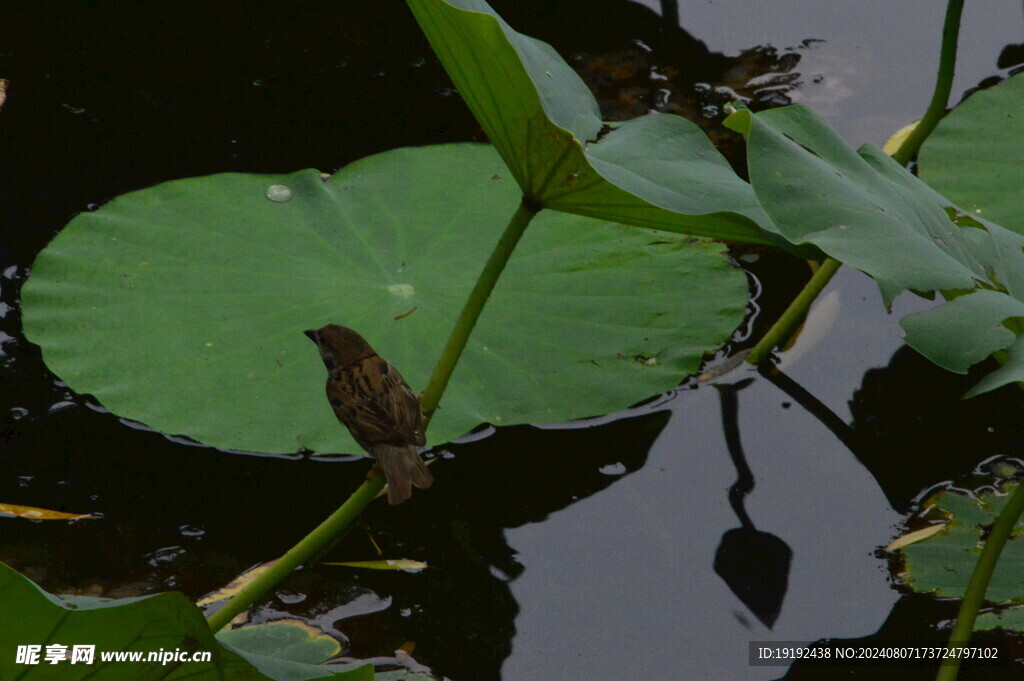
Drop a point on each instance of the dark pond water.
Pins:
(579, 552)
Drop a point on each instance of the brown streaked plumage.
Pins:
(376, 404)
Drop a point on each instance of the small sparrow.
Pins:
(376, 404)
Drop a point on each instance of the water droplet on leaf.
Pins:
(279, 193)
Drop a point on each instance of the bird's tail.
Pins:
(403, 469)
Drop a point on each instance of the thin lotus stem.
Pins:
(974, 596)
(943, 85)
(302, 552)
(783, 328)
(475, 305)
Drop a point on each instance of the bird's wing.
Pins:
(405, 407)
(376, 404)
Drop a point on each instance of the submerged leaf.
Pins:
(400, 564)
(182, 306)
(236, 585)
(34, 513)
(914, 537)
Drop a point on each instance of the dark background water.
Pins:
(554, 553)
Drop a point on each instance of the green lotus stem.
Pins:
(783, 328)
(309, 546)
(475, 305)
(975, 593)
(943, 85)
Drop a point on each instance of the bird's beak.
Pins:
(312, 335)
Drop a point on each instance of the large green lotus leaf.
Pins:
(942, 564)
(974, 155)
(182, 305)
(167, 621)
(657, 171)
(865, 210)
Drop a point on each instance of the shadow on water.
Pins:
(922, 429)
(517, 477)
(905, 418)
(753, 563)
(240, 510)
